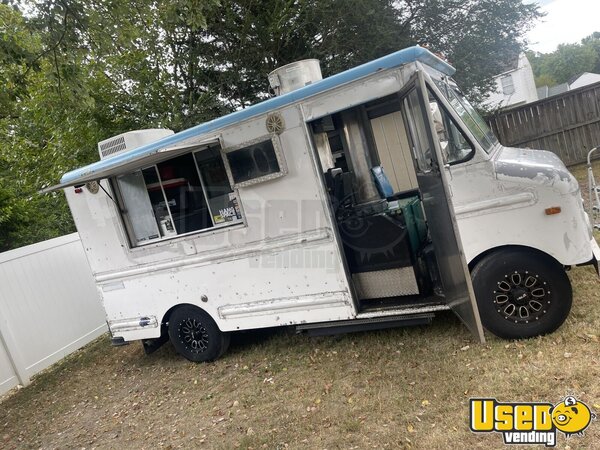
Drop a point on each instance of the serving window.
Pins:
(184, 194)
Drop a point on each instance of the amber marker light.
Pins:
(552, 210)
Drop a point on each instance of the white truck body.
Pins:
(283, 263)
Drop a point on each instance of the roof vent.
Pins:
(293, 76)
(130, 140)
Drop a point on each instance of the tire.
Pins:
(195, 335)
(521, 293)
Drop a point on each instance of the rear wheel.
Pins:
(195, 335)
(521, 293)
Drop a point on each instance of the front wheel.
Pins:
(195, 335)
(521, 293)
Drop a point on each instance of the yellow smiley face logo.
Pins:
(571, 416)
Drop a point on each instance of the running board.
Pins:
(364, 324)
(408, 311)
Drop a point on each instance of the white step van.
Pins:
(373, 198)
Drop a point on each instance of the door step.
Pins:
(424, 308)
(362, 323)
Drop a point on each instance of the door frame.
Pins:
(464, 307)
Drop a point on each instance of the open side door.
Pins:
(437, 202)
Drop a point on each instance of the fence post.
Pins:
(12, 350)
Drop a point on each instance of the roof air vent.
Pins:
(130, 140)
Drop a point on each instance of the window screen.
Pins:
(508, 86)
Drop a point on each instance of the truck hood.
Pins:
(538, 167)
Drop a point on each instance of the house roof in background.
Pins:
(512, 63)
(546, 91)
(542, 92)
(574, 78)
(589, 75)
(558, 89)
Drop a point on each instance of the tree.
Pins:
(12, 213)
(248, 39)
(567, 61)
(78, 72)
(245, 40)
(477, 37)
(183, 62)
(593, 41)
(47, 123)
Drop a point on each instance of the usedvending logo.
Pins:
(530, 423)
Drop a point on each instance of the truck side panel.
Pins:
(281, 266)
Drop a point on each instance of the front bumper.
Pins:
(133, 324)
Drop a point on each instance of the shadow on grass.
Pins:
(285, 340)
(241, 342)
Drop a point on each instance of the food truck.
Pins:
(374, 198)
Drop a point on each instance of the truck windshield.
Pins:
(469, 115)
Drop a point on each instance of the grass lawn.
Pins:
(401, 388)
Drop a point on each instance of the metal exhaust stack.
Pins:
(293, 76)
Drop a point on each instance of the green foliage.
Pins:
(593, 41)
(477, 37)
(74, 73)
(545, 80)
(17, 56)
(246, 40)
(12, 214)
(567, 61)
(46, 129)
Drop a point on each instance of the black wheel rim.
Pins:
(522, 297)
(193, 335)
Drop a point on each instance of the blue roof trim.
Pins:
(391, 61)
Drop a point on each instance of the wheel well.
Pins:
(482, 255)
(167, 316)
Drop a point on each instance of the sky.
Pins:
(566, 21)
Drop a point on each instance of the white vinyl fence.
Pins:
(49, 307)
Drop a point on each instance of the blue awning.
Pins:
(134, 163)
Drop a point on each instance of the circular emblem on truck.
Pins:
(92, 186)
(275, 123)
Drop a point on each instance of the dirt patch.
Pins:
(402, 388)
